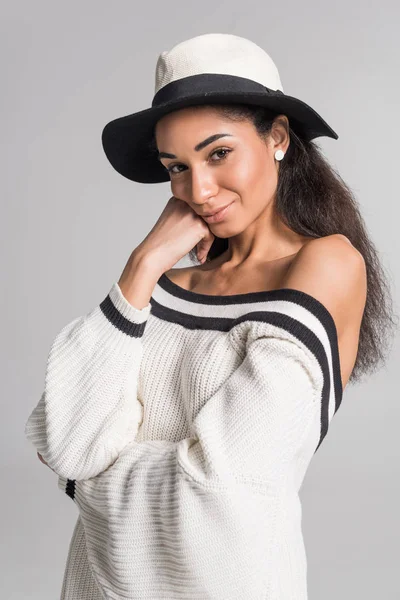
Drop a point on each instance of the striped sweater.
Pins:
(182, 432)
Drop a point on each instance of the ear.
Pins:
(279, 135)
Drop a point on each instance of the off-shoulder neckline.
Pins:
(244, 298)
(195, 310)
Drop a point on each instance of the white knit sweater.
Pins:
(183, 431)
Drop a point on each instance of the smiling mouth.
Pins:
(219, 215)
(215, 212)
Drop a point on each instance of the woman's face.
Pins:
(237, 168)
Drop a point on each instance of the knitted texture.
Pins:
(183, 432)
(78, 581)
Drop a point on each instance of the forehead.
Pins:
(196, 121)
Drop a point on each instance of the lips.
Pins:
(215, 212)
(218, 216)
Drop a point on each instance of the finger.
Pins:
(203, 247)
(43, 461)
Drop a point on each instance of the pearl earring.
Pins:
(279, 154)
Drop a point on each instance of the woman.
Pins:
(182, 412)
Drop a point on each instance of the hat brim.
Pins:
(126, 139)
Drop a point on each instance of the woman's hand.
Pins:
(43, 461)
(177, 231)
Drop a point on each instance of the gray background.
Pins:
(69, 223)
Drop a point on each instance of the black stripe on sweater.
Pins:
(111, 312)
(293, 326)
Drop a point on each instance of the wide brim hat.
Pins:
(214, 68)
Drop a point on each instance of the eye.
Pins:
(226, 150)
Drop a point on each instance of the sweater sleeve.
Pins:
(89, 409)
(204, 511)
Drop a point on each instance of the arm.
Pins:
(89, 408)
(203, 512)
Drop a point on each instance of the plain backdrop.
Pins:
(69, 223)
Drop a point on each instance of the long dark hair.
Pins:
(313, 200)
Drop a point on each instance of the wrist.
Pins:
(146, 263)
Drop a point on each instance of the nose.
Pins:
(203, 186)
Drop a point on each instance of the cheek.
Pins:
(253, 177)
(244, 172)
(264, 184)
(252, 169)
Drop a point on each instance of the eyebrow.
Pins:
(199, 146)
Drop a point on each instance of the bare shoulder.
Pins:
(178, 274)
(333, 271)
